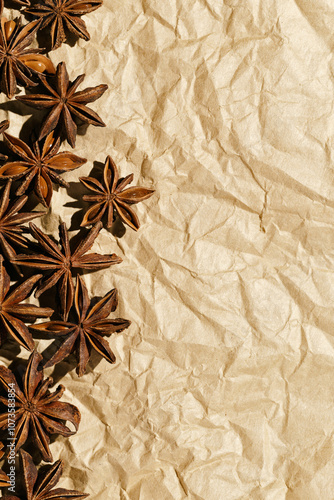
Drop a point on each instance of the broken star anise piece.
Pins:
(40, 163)
(61, 262)
(39, 486)
(64, 103)
(12, 312)
(61, 13)
(10, 223)
(87, 331)
(17, 60)
(111, 197)
(3, 126)
(37, 411)
(4, 479)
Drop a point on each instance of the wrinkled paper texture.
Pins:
(223, 385)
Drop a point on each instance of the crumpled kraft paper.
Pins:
(223, 385)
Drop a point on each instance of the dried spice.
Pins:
(87, 331)
(40, 163)
(13, 314)
(64, 103)
(4, 479)
(3, 126)
(64, 13)
(22, 2)
(10, 223)
(111, 197)
(40, 486)
(17, 61)
(62, 260)
(38, 412)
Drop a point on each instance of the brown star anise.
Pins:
(3, 126)
(12, 312)
(60, 13)
(10, 223)
(40, 486)
(41, 162)
(64, 101)
(87, 331)
(17, 61)
(36, 409)
(4, 479)
(112, 197)
(62, 261)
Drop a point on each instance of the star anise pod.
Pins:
(10, 223)
(17, 60)
(12, 312)
(111, 197)
(40, 163)
(61, 13)
(39, 486)
(63, 261)
(37, 409)
(4, 479)
(87, 331)
(64, 103)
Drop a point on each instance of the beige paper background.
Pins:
(223, 386)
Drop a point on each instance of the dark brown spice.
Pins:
(111, 197)
(3, 126)
(17, 61)
(61, 13)
(87, 331)
(39, 486)
(10, 223)
(64, 103)
(37, 411)
(13, 314)
(40, 163)
(4, 479)
(62, 261)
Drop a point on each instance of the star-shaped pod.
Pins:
(64, 103)
(38, 412)
(40, 486)
(40, 163)
(64, 13)
(87, 331)
(13, 314)
(110, 197)
(62, 261)
(10, 223)
(17, 60)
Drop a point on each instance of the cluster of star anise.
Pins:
(31, 411)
